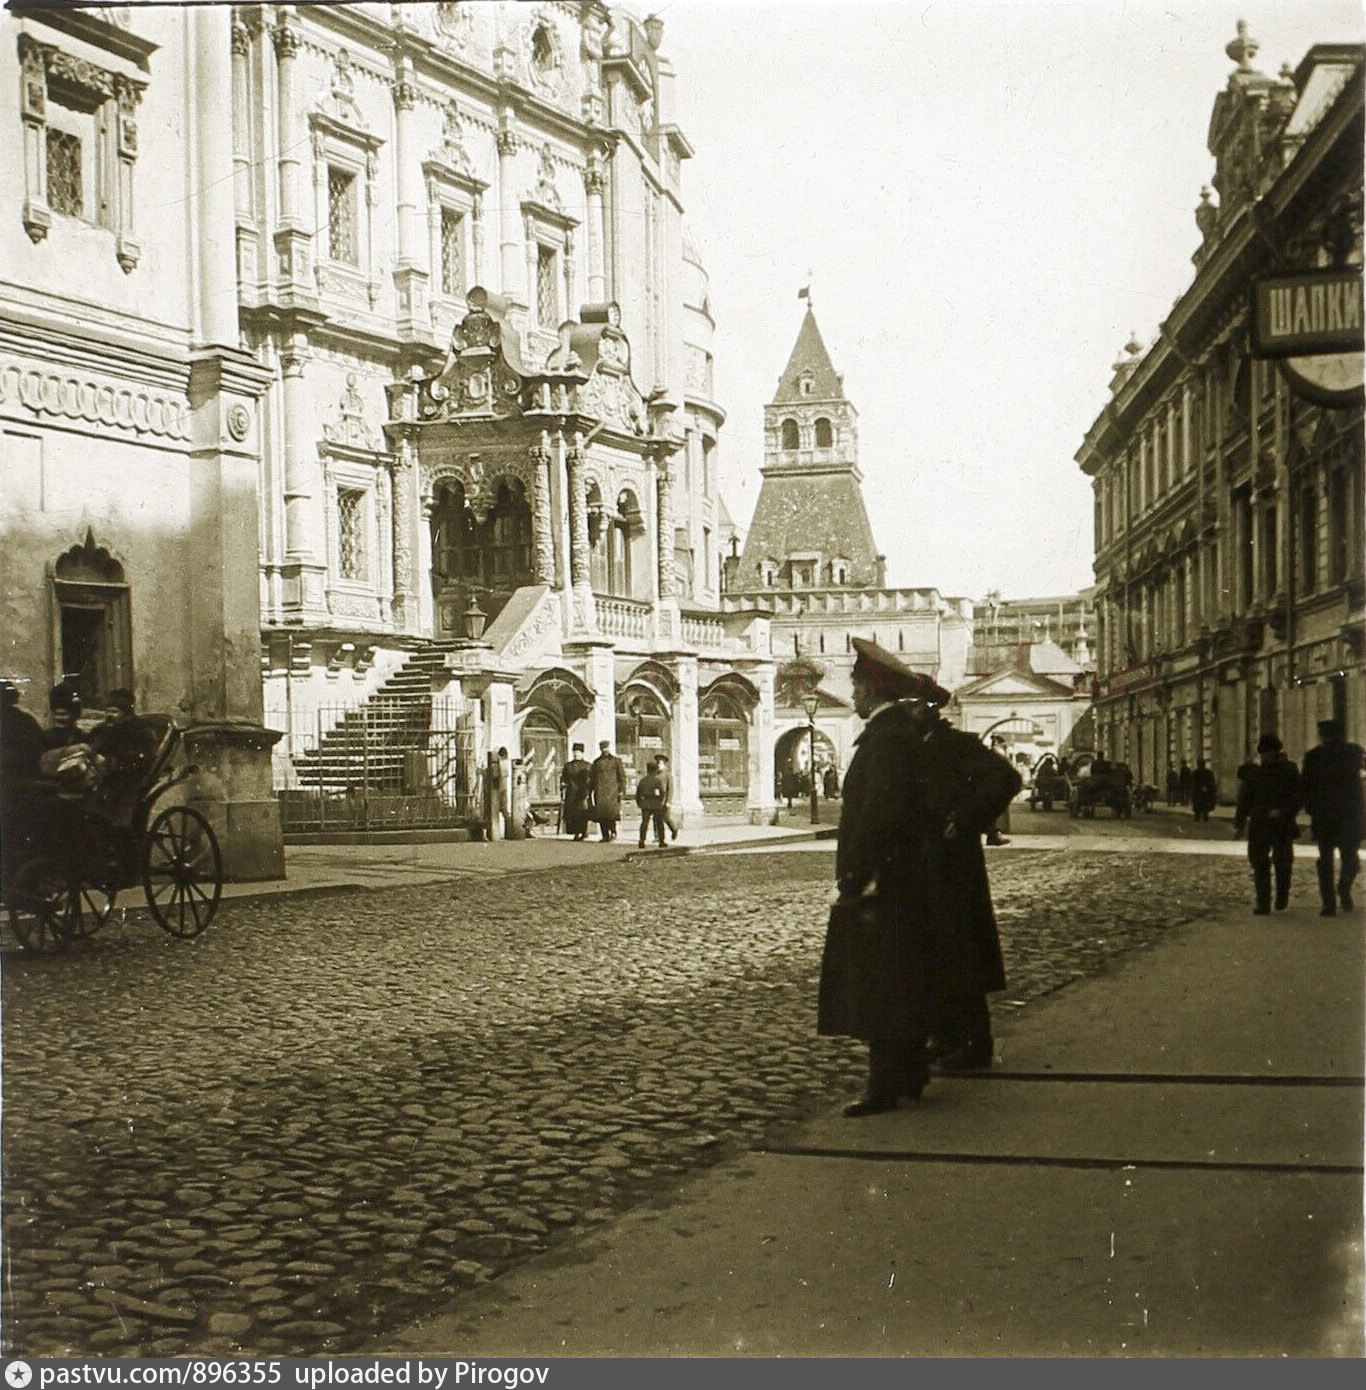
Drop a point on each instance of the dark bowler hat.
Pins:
(1268, 743)
(890, 676)
(578, 748)
(1330, 728)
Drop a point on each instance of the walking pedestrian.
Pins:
(650, 799)
(911, 943)
(1183, 782)
(1173, 786)
(1204, 792)
(831, 782)
(670, 815)
(576, 788)
(1332, 797)
(1268, 797)
(608, 787)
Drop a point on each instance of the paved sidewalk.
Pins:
(1165, 1161)
(342, 867)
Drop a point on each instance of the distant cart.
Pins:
(1047, 784)
(1105, 784)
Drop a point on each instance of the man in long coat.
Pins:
(1331, 783)
(1268, 797)
(576, 789)
(911, 946)
(609, 786)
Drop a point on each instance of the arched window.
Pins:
(626, 531)
(825, 436)
(484, 560)
(791, 437)
(598, 522)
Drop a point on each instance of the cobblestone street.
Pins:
(331, 1114)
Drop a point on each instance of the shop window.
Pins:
(722, 747)
(644, 729)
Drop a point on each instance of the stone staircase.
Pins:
(381, 745)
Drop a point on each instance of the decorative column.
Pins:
(241, 135)
(580, 576)
(594, 182)
(304, 530)
(664, 512)
(405, 525)
(409, 277)
(543, 559)
(510, 241)
(292, 238)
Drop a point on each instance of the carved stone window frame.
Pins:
(450, 189)
(48, 73)
(347, 468)
(552, 228)
(337, 145)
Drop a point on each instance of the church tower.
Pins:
(810, 528)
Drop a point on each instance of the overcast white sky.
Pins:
(987, 196)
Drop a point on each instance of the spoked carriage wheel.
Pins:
(182, 872)
(39, 905)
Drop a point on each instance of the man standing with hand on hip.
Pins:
(911, 947)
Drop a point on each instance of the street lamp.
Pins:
(811, 703)
(472, 620)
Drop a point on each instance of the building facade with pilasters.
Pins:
(1228, 486)
(129, 411)
(490, 439)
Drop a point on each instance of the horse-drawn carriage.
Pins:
(1048, 783)
(74, 839)
(1105, 784)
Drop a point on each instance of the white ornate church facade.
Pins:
(378, 414)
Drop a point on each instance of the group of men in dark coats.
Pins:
(1270, 793)
(592, 792)
(911, 950)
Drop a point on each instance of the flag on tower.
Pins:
(804, 292)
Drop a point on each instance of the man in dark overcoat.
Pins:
(1268, 797)
(576, 789)
(1332, 796)
(911, 946)
(608, 787)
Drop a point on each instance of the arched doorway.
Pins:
(553, 702)
(644, 727)
(94, 631)
(792, 761)
(544, 751)
(482, 560)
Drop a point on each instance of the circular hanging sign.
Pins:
(1332, 378)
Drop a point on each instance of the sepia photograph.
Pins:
(680, 681)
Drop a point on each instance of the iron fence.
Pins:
(386, 764)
